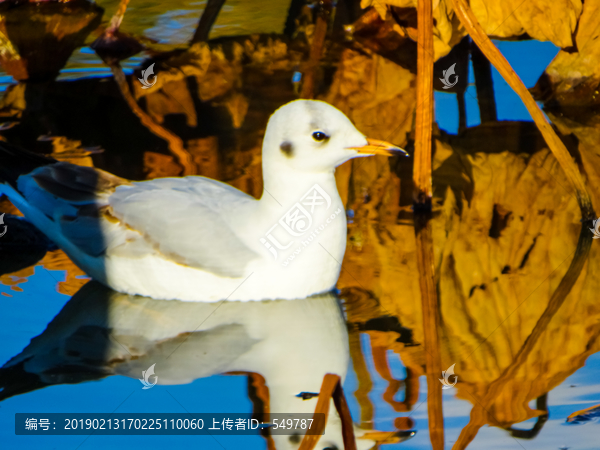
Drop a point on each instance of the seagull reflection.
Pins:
(290, 345)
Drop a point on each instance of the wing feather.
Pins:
(184, 219)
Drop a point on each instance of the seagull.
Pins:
(197, 239)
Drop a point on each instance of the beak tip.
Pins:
(376, 147)
(401, 150)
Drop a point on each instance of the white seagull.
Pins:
(197, 239)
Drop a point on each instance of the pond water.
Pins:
(505, 229)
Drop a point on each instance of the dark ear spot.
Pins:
(287, 149)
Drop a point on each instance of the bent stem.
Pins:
(480, 415)
(207, 20)
(175, 143)
(558, 149)
(331, 388)
(117, 18)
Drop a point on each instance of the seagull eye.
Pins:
(319, 136)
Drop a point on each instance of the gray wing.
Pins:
(186, 219)
(104, 215)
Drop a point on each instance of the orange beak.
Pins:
(376, 147)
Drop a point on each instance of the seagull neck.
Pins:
(289, 186)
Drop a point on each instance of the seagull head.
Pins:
(313, 136)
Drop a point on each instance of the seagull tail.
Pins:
(15, 161)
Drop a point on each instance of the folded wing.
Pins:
(187, 220)
(182, 219)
